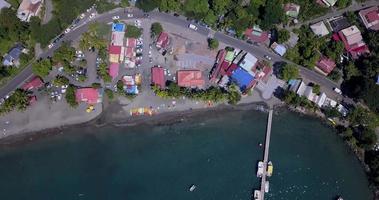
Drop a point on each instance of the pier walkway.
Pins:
(266, 151)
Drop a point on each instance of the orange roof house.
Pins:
(190, 78)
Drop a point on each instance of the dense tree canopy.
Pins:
(213, 43)
(156, 29)
(42, 68)
(133, 31)
(289, 71)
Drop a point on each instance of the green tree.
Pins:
(210, 18)
(96, 85)
(42, 68)
(156, 29)
(147, 5)
(120, 87)
(133, 31)
(289, 71)
(351, 70)
(65, 53)
(234, 96)
(220, 6)
(335, 75)
(273, 14)
(60, 80)
(196, 8)
(124, 3)
(18, 100)
(70, 96)
(169, 5)
(102, 71)
(316, 89)
(283, 36)
(109, 94)
(213, 43)
(360, 116)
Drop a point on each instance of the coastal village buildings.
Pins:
(319, 29)
(90, 96)
(28, 9)
(190, 78)
(256, 34)
(130, 84)
(292, 10)
(157, 77)
(162, 41)
(370, 18)
(353, 41)
(35, 83)
(116, 49)
(325, 65)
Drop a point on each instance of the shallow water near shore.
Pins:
(218, 153)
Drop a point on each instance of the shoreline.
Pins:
(164, 118)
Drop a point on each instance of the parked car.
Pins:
(176, 14)
(267, 57)
(92, 15)
(116, 17)
(337, 90)
(130, 15)
(67, 30)
(50, 45)
(193, 27)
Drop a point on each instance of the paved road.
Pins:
(334, 13)
(82, 26)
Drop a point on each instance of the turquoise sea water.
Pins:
(219, 155)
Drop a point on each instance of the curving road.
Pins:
(82, 26)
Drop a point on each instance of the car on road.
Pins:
(193, 27)
(82, 16)
(50, 45)
(176, 14)
(267, 57)
(130, 15)
(76, 21)
(67, 30)
(150, 60)
(92, 15)
(337, 90)
(116, 17)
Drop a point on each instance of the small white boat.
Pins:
(257, 195)
(340, 198)
(192, 188)
(260, 169)
(267, 185)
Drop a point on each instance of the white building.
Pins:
(320, 29)
(28, 9)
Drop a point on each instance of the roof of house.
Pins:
(248, 63)
(162, 40)
(330, 2)
(117, 38)
(190, 78)
(114, 49)
(352, 35)
(224, 67)
(129, 52)
(292, 9)
(278, 48)
(256, 34)
(131, 42)
(12, 55)
(4, 4)
(339, 23)
(114, 58)
(319, 29)
(326, 65)
(113, 70)
(242, 78)
(157, 77)
(231, 68)
(370, 17)
(34, 83)
(128, 80)
(88, 95)
(119, 27)
(131, 89)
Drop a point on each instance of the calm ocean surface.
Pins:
(219, 155)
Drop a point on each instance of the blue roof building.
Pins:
(242, 78)
(119, 27)
(131, 89)
(13, 56)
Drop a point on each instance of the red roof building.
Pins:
(157, 77)
(256, 34)
(131, 42)
(129, 52)
(35, 83)
(114, 49)
(190, 78)
(32, 100)
(162, 40)
(88, 95)
(220, 58)
(325, 65)
(353, 41)
(113, 70)
(370, 18)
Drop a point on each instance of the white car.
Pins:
(267, 57)
(82, 16)
(115, 17)
(67, 30)
(92, 15)
(50, 45)
(337, 90)
(193, 27)
(130, 15)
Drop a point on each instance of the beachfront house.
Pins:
(28, 9)
(353, 41)
(90, 96)
(190, 78)
(157, 77)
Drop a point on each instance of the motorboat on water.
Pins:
(257, 195)
(270, 169)
(267, 185)
(339, 198)
(260, 169)
(192, 188)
